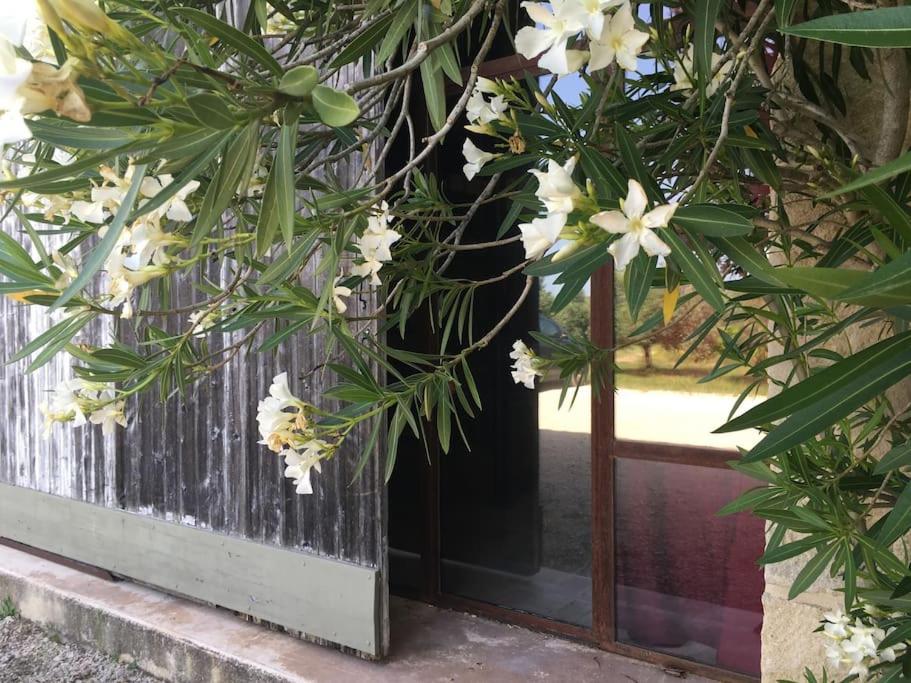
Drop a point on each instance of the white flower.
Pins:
(79, 401)
(15, 20)
(481, 111)
(685, 71)
(14, 73)
(175, 208)
(551, 39)
(109, 414)
(202, 321)
(276, 425)
(369, 268)
(475, 158)
(338, 294)
(556, 188)
(525, 368)
(619, 41)
(590, 13)
(539, 235)
(636, 226)
(836, 624)
(299, 465)
(375, 244)
(69, 271)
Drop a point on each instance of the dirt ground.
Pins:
(29, 654)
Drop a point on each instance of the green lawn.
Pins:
(664, 377)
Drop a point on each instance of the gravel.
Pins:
(30, 654)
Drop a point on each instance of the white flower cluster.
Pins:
(856, 645)
(526, 366)
(685, 70)
(481, 112)
(561, 196)
(79, 401)
(286, 429)
(140, 253)
(375, 245)
(611, 37)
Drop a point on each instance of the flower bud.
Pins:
(81, 14)
(566, 251)
(517, 144)
(481, 129)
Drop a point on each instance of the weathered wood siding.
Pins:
(195, 460)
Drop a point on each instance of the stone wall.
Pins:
(789, 644)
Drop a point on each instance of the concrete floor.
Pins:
(178, 640)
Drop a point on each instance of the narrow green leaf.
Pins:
(224, 185)
(898, 456)
(812, 570)
(875, 176)
(704, 38)
(883, 27)
(815, 388)
(239, 40)
(362, 44)
(841, 399)
(898, 521)
(211, 111)
(434, 91)
(705, 282)
(278, 198)
(713, 221)
(402, 21)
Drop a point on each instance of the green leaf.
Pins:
(278, 198)
(434, 91)
(816, 387)
(333, 107)
(402, 21)
(898, 456)
(884, 27)
(890, 209)
(100, 254)
(833, 283)
(223, 187)
(712, 220)
(239, 40)
(64, 133)
(812, 570)
(898, 521)
(892, 280)
(783, 11)
(697, 272)
(745, 255)
(608, 181)
(841, 399)
(211, 111)
(299, 81)
(875, 176)
(362, 44)
(704, 38)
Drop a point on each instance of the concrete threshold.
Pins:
(178, 640)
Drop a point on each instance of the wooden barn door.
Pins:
(185, 498)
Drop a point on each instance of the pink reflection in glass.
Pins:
(687, 580)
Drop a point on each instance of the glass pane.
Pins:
(516, 509)
(687, 580)
(656, 401)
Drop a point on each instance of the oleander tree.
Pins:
(747, 156)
